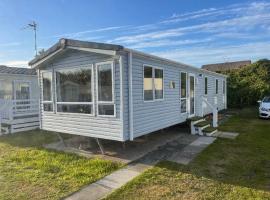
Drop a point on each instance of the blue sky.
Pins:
(193, 32)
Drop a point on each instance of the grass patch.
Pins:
(28, 171)
(227, 169)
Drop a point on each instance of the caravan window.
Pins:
(183, 81)
(22, 90)
(216, 86)
(153, 83)
(105, 89)
(205, 85)
(74, 90)
(6, 89)
(47, 91)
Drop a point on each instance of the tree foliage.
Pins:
(249, 84)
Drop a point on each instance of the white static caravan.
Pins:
(19, 99)
(111, 92)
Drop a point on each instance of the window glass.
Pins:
(224, 87)
(106, 109)
(216, 86)
(148, 83)
(158, 84)
(205, 85)
(22, 90)
(5, 89)
(74, 85)
(48, 107)
(47, 86)
(105, 89)
(105, 82)
(74, 108)
(183, 85)
(183, 105)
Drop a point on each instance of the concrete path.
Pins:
(227, 135)
(182, 150)
(191, 151)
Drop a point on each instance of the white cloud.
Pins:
(16, 63)
(167, 42)
(81, 33)
(205, 55)
(11, 44)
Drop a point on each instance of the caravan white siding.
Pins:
(149, 116)
(83, 124)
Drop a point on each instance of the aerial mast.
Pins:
(33, 26)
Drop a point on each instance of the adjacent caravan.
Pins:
(19, 99)
(112, 92)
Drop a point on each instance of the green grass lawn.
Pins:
(28, 171)
(228, 169)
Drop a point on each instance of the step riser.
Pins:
(211, 134)
(200, 129)
(192, 127)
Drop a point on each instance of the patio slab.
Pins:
(227, 135)
(186, 155)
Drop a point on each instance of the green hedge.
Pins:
(249, 84)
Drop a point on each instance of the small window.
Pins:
(22, 90)
(158, 84)
(172, 85)
(216, 86)
(153, 83)
(205, 85)
(105, 89)
(224, 87)
(183, 81)
(47, 91)
(148, 84)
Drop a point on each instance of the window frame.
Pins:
(206, 88)
(52, 92)
(153, 83)
(21, 81)
(180, 92)
(216, 86)
(223, 87)
(113, 89)
(75, 103)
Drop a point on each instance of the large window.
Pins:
(216, 86)
(205, 85)
(105, 89)
(183, 78)
(74, 90)
(47, 91)
(6, 89)
(153, 83)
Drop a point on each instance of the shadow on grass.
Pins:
(244, 161)
(34, 138)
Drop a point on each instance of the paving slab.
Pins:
(227, 135)
(191, 151)
(109, 183)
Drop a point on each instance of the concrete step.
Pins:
(209, 131)
(202, 124)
